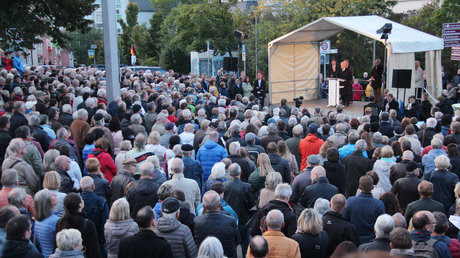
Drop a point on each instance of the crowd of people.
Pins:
(183, 166)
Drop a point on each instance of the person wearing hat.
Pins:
(122, 179)
(304, 179)
(406, 188)
(310, 145)
(398, 133)
(192, 168)
(172, 230)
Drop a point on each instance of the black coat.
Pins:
(378, 244)
(281, 166)
(320, 188)
(42, 137)
(406, 189)
(290, 220)
(66, 182)
(142, 193)
(222, 227)
(312, 245)
(5, 139)
(421, 205)
(392, 105)
(443, 186)
(338, 229)
(19, 249)
(425, 136)
(376, 73)
(65, 118)
(259, 91)
(240, 197)
(356, 166)
(144, 244)
(17, 120)
(425, 109)
(386, 129)
(454, 162)
(336, 174)
(244, 164)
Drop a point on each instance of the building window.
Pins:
(118, 17)
(118, 11)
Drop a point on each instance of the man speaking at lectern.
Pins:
(345, 73)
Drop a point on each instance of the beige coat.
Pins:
(26, 175)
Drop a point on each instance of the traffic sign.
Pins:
(455, 25)
(243, 48)
(325, 47)
(450, 31)
(451, 43)
(93, 46)
(90, 53)
(333, 51)
(451, 37)
(455, 55)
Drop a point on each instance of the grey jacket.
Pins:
(27, 179)
(68, 254)
(178, 236)
(114, 231)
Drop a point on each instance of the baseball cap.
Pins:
(170, 205)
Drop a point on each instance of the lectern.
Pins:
(334, 91)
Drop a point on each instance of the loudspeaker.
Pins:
(230, 64)
(401, 78)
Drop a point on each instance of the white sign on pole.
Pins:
(333, 51)
(325, 47)
(93, 46)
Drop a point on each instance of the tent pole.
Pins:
(373, 56)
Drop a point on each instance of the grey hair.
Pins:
(234, 147)
(155, 161)
(360, 145)
(407, 155)
(377, 137)
(321, 206)
(436, 143)
(272, 128)
(442, 162)
(431, 122)
(283, 191)
(146, 169)
(81, 113)
(353, 136)
(272, 180)
(383, 226)
(135, 119)
(177, 166)
(15, 145)
(211, 248)
(234, 170)
(297, 130)
(34, 120)
(341, 128)
(217, 171)
(275, 219)
(9, 177)
(304, 120)
(66, 108)
(16, 196)
(61, 133)
(66, 239)
(86, 183)
(211, 200)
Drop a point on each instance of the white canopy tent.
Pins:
(294, 58)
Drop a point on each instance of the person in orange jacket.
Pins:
(310, 144)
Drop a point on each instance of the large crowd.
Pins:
(186, 166)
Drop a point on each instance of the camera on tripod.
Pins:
(298, 101)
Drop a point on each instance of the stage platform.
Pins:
(355, 110)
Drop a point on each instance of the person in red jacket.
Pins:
(108, 167)
(7, 62)
(309, 145)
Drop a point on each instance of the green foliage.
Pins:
(79, 44)
(189, 26)
(22, 22)
(126, 38)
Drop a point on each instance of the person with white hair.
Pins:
(271, 137)
(211, 247)
(279, 244)
(45, 220)
(428, 160)
(382, 227)
(426, 135)
(188, 186)
(293, 143)
(18, 118)
(321, 206)
(235, 157)
(69, 243)
(186, 118)
(39, 134)
(281, 202)
(443, 182)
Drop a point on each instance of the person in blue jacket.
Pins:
(424, 223)
(210, 153)
(226, 209)
(17, 63)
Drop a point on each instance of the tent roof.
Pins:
(402, 39)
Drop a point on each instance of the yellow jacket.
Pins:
(368, 90)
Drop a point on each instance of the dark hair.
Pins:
(396, 146)
(72, 203)
(218, 187)
(366, 184)
(90, 138)
(103, 143)
(391, 203)
(281, 125)
(6, 213)
(420, 220)
(374, 176)
(448, 140)
(441, 222)
(258, 250)
(114, 124)
(174, 140)
(446, 119)
(63, 150)
(4, 121)
(272, 148)
(17, 227)
(401, 238)
(452, 150)
(22, 131)
(178, 194)
(375, 126)
(354, 123)
(343, 249)
(144, 217)
(332, 154)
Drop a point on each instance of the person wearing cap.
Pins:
(310, 145)
(398, 133)
(251, 147)
(304, 179)
(406, 188)
(164, 139)
(122, 179)
(192, 168)
(398, 170)
(172, 230)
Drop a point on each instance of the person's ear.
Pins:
(282, 226)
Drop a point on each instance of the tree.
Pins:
(189, 26)
(126, 38)
(22, 22)
(79, 44)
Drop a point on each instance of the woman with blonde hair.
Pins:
(285, 153)
(125, 146)
(118, 226)
(383, 166)
(312, 239)
(257, 178)
(268, 193)
(52, 183)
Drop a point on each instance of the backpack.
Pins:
(425, 249)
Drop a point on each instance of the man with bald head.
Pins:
(406, 188)
(424, 224)
(425, 190)
(320, 188)
(62, 163)
(338, 229)
(214, 223)
(95, 209)
(258, 247)
(278, 244)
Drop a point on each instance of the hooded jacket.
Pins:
(281, 166)
(308, 146)
(178, 236)
(116, 230)
(452, 244)
(440, 246)
(208, 155)
(383, 167)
